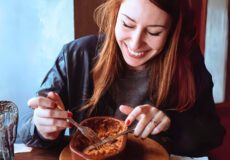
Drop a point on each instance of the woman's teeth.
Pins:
(135, 53)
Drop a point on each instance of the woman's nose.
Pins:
(137, 39)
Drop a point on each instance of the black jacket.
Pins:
(192, 133)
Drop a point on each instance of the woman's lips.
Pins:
(134, 54)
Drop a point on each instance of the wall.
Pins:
(217, 45)
(84, 23)
(227, 95)
(32, 33)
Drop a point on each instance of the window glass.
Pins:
(32, 32)
(216, 47)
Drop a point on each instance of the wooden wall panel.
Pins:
(83, 17)
(227, 91)
(200, 9)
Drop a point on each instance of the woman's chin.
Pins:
(135, 66)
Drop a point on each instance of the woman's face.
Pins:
(141, 31)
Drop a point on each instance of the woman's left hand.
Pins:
(151, 120)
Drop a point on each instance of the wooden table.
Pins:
(39, 154)
(136, 149)
(43, 154)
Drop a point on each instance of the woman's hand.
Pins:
(151, 119)
(49, 115)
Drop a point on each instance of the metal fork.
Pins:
(112, 138)
(86, 131)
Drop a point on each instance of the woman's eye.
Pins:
(126, 25)
(154, 34)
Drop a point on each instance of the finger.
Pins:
(148, 129)
(158, 122)
(51, 113)
(146, 125)
(141, 126)
(125, 109)
(145, 118)
(159, 113)
(49, 129)
(157, 118)
(136, 112)
(51, 122)
(163, 125)
(49, 136)
(54, 96)
(167, 122)
(41, 101)
(141, 110)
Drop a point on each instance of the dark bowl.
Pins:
(104, 127)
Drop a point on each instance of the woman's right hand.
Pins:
(49, 119)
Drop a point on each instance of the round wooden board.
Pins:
(136, 149)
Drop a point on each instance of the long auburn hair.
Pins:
(169, 71)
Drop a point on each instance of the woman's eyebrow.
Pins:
(153, 25)
(128, 17)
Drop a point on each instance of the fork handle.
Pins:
(111, 138)
(73, 122)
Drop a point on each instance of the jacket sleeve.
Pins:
(198, 130)
(54, 81)
(29, 135)
(70, 78)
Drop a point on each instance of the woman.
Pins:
(145, 68)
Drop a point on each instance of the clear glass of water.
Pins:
(8, 129)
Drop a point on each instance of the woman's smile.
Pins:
(136, 53)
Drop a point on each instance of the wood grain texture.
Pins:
(136, 149)
(200, 10)
(227, 91)
(83, 17)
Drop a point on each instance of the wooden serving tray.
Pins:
(136, 149)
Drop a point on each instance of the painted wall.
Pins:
(32, 32)
(217, 45)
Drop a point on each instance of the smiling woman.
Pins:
(145, 67)
(31, 35)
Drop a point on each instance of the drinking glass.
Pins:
(8, 129)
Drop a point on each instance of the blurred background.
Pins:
(32, 32)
